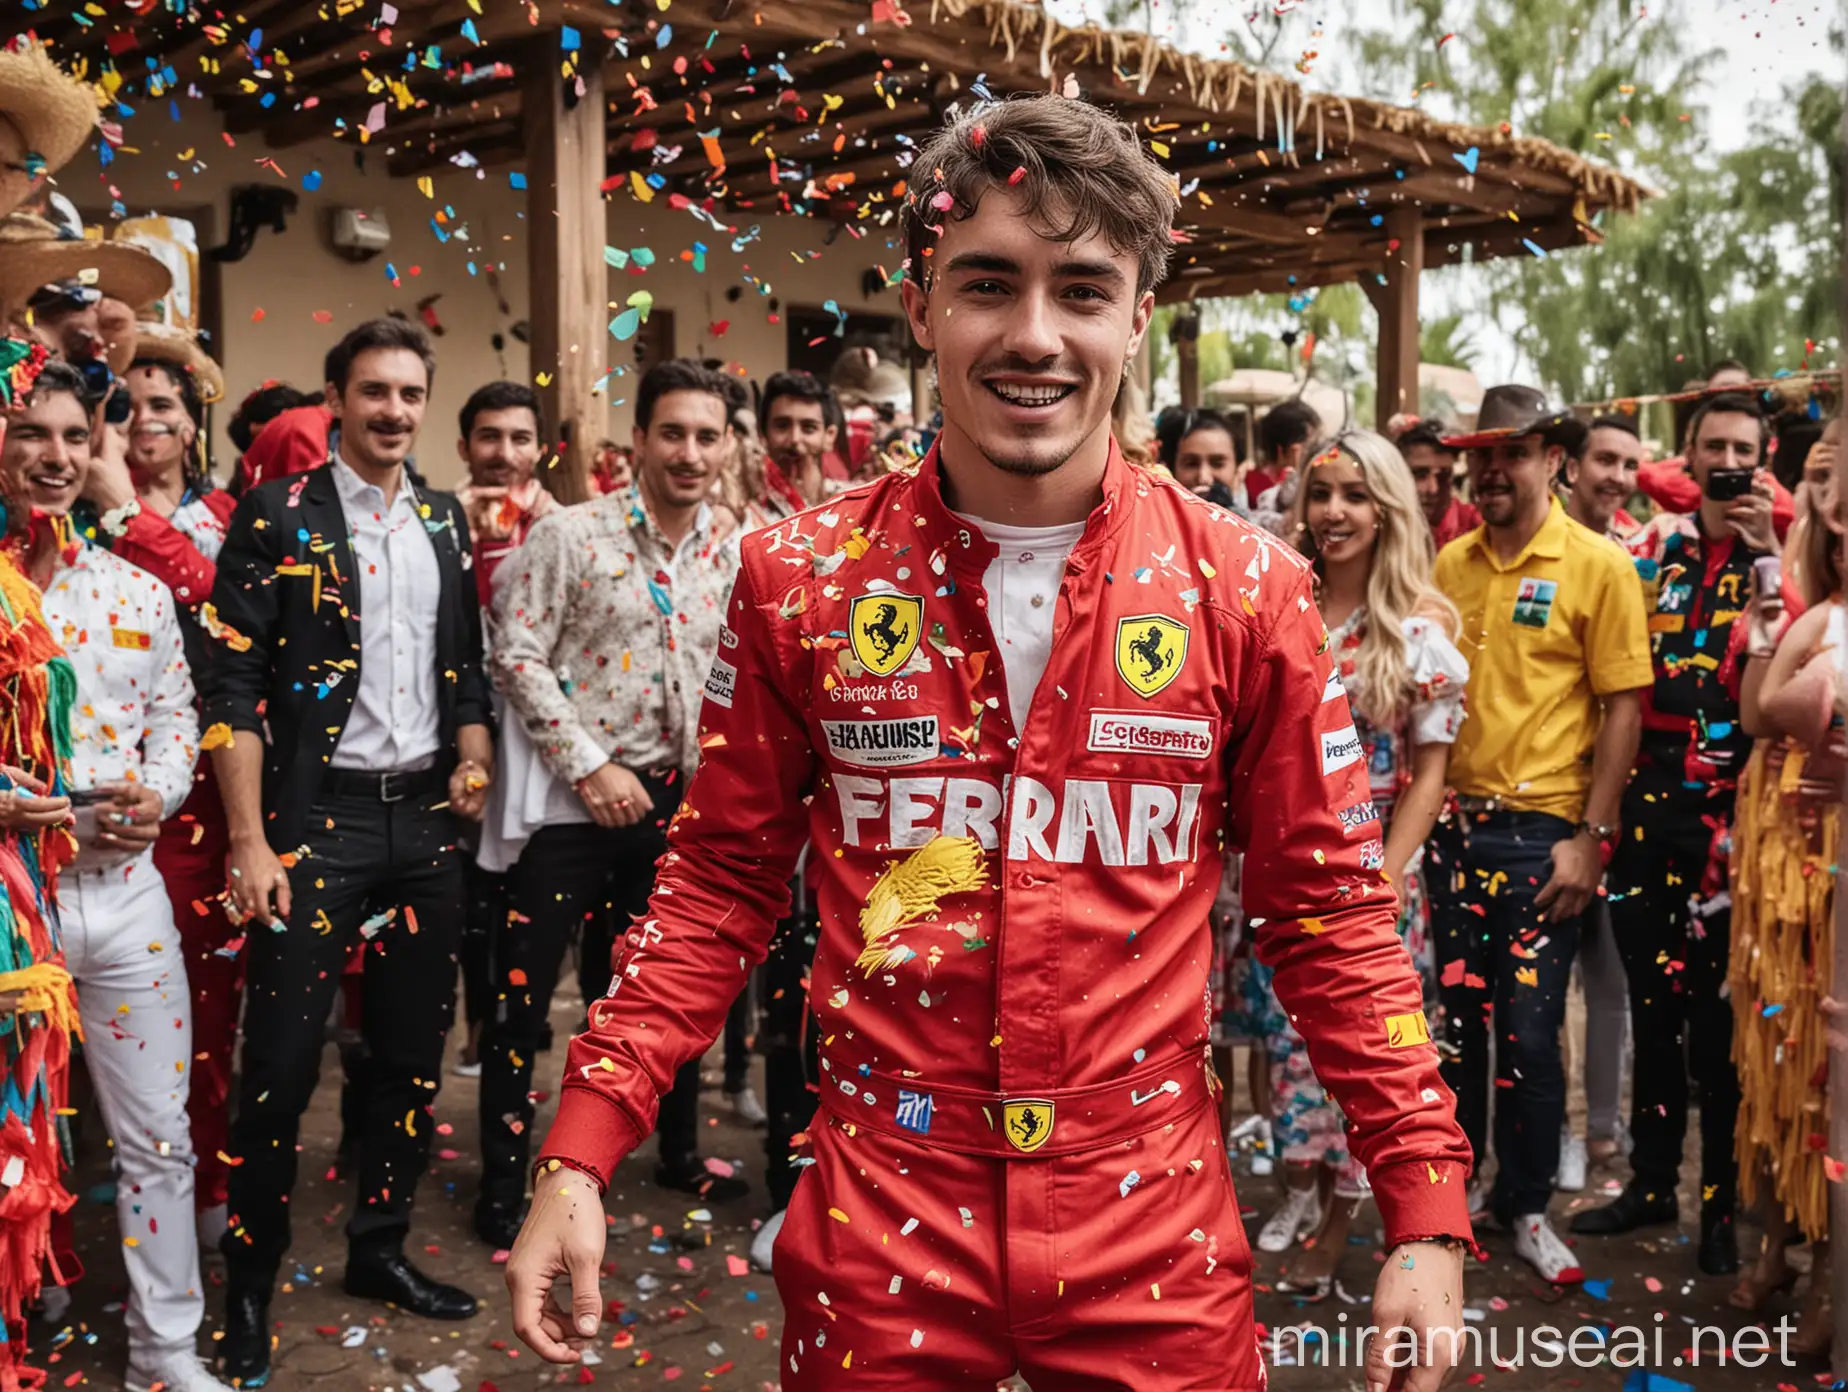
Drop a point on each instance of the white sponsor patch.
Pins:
(883, 743)
(722, 683)
(1132, 732)
(1333, 690)
(727, 639)
(1340, 748)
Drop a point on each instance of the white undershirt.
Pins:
(1022, 585)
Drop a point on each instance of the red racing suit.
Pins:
(1017, 1162)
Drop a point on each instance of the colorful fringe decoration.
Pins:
(1785, 839)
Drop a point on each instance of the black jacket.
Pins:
(287, 583)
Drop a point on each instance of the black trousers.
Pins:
(1499, 962)
(1675, 940)
(572, 878)
(485, 908)
(790, 1046)
(364, 857)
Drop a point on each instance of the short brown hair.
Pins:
(1077, 171)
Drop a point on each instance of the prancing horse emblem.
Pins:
(884, 630)
(1027, 1123)
(1150, 649)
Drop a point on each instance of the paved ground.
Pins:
(692, 1313)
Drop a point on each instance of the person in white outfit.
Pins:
(135, 740)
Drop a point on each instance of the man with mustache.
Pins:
(605, 623)
(1558, 650)
(798, 436)
(348, 720)
(135, 738)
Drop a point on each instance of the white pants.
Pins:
(124, 952)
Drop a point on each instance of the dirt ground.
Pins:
(692, 1312)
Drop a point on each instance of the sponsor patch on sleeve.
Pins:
(882, 743)
(1137, 732)
(1407, 1031)
(722, 683)
(135, 638)
(1359, 815)
(1340, 748)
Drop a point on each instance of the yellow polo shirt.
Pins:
(1546, 635)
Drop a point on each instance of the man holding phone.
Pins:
(135, 739)
(1670, 908)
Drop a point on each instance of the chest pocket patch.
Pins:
(1533, 602)
(135, 639)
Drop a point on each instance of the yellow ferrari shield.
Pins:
(1028, 1122)
(884, 629)
(1150, 649)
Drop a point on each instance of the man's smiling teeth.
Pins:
(1036, 394)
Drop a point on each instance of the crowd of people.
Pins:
(326, 743)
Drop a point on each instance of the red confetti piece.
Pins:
(1017, 176)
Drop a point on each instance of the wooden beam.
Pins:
(568, 282)
(1398, 306)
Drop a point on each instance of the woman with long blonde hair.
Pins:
(1358, 520)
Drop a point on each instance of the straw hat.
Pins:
(167, 344)
(32, 256)
(54, 112)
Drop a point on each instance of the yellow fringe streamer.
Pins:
(910, 890)
(44, 988)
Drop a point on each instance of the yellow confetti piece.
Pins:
(1314, 927)
(1155, 1290)
(131, 1242)
(1527, 976)
(838, 1216)
(1206, 568)
(218, 735)
(639, 185)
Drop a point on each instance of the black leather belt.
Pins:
(382, 787)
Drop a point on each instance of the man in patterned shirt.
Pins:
(605, 624)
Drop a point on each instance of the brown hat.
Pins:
(179, 348)
(54, 112)
(33, 255)
(1509, 412)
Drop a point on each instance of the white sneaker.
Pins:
(1571, 1176)
(1263, 1157)
(175, 1373)
(1539, 1246)
(54, 1303)
(1300, 1215)
(763, 1244)
(212, 1224)
(467, 1070)
(748, 1109)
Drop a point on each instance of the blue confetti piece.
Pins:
(1468, 158)
(1771, 1010)
(256, 40)
(516, 180)
(471, 269)
(665, 37)
(311, 180)
(442, 234)
(656, 181)
(1642, 1380)
(643, 256)
(468, 32)
(1598, 1290)
(1534, 247)
(624, 325)
(662, 600)
(391, 272)
(569, 39)
(268, 100)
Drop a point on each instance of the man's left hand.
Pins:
(1578, 865)
(1420, 1291)
(468, 790)
(1750, 517)
(129, 820)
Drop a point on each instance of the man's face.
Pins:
(679, 456)
(1728, 377)
(1030, 335)
(1510, 479)
(159, 430)
(1603, 480)
(1433, 470)
(16, 179)
(502, 448)
(1723, 440)
(1204, 458)
(382, 407)
(797, 432)
(46, 457)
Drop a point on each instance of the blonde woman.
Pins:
(1357, 518)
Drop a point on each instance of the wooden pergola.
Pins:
(810, 106)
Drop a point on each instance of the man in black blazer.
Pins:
(348, 720)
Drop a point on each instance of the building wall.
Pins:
(270, 300)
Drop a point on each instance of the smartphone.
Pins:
(88, 797)
(1724, 485)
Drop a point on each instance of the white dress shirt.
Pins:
(395, 724)
(134, 720)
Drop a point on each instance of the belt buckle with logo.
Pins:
(1027, 1122)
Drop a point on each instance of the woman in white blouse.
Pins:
(1356, 516)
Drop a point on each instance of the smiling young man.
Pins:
(1020, 702)
(135, 739)
(503, 438)
(349, 723)
(605, 625)
(797, 438)
(1558, 655)
(1600, 477)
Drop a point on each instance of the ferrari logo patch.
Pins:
(1028, 1122)
(884, 630)
(1150, 649)
(1407, 1031)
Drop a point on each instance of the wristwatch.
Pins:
(1599, 832)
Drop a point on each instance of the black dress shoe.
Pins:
(694, 1178)
(244, 1352)
(1719, 1242)
(1636, 1207)
(498, 1224)
(389, 1276)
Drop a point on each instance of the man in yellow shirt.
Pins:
(1558, 649)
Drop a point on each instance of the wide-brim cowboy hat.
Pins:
(54, 112)
(33, 255)
(1509, 412)
(179, 348)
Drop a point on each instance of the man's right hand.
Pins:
(614, 797)
(259, 885)
(108, 484)
(563, 1236)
